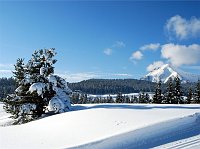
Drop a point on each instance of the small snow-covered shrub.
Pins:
(61, 101)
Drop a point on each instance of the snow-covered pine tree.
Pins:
(147, 98)
(177, 92)
(75, 97)
(197, 93)
(169, 97)
(38, 68)
(135, 99)
(83, 98)
(142, 97)
(139, 97)
(189, 96)
(19, 72)
(109, 99)
(126, 99)
(119, 98)
(37, 88)
(12, 102)
(157, 97)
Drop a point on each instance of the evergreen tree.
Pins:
(135, 99)
(110, 99)
(197, 93)
(139, 97)
(126, 99)
(85, 98)
(177, 92)
(157, 97)
(147, 98)
(37, 88)
(142, 98)
(19, 72)
(189, 96)
(75, 97)
(100, 100)
(119, 98)
(13, 102)
(170, 92)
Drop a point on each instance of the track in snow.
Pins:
(192, 142)
(183, 133)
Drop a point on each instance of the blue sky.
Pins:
(102, 39)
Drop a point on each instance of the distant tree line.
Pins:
(163, 92)
(125, 86)
(171, 93)
(112, 86)
(92, 86)
(7, 86)
(81, 98)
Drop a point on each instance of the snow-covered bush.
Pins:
(61, 101)
(37, 88)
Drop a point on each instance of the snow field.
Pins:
(101, 126)
(154, 135)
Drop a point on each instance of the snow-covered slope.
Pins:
(104, 126)
(167, 71)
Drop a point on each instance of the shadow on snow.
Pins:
(132, 106)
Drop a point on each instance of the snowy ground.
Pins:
(108, 126)
(4, 117)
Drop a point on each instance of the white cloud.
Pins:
(6, 66)
(195, 67)
(77, 77)
(181, 54)
(151, 46)
(6, 70)
(123, 75)
(182, 28)
(6, 73)
(119, 44)
(155, 65)
(107, 51)
(192, 67)
(136, 55)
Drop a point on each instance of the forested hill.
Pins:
(112, 86)
(99, 86)
(7, 86)
(92, 86)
